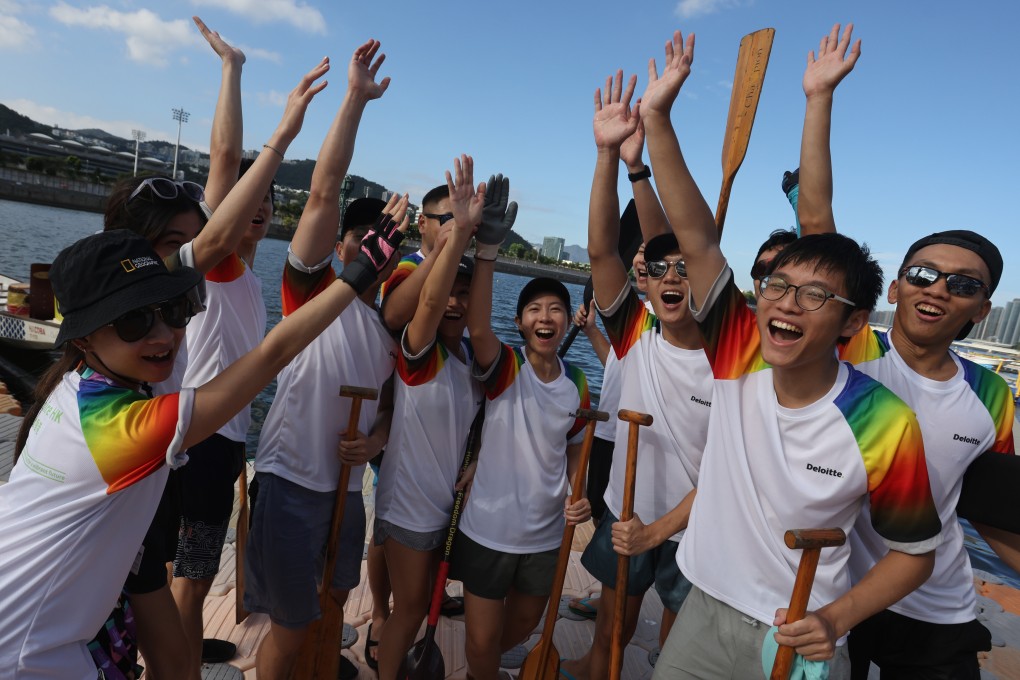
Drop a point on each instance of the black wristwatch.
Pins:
(640, 174)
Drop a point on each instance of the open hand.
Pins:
(498, 215)
(299, 98)
(614, 120)
(662, 90)
(823, 74)
(361, 72)
(466, 201)
(813, 637)
(633, 146)
(225, 51)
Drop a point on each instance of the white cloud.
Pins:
(148, 37)
(688, 9)
(293, 12)
(272, 98)
(15, 34)
(259, 53)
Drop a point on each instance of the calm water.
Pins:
(31, 233)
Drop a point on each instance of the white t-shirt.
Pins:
(768, 468)
(960, 419)
(232, 325)
(308, 418)
(609, 398)
(77, 507)
(435, 401)
(674, 386)
(516, 501)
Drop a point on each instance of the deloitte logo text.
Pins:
(965, 439)
(824, 471)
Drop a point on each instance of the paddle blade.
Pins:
(630, 234)
(424, 661)
(752, 61)
(542, 663)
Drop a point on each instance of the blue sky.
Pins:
(924, 134)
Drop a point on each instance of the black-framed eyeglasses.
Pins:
(959, 285)
(137, 323)
(759, 268)
(442, 219)
(167, 189)
(809, 297)
(658, 269)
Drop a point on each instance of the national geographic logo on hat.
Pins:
(131, 265)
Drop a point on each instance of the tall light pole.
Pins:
(181, 116)
(139, 137)
(345, 191)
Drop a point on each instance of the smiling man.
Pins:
(796, 438)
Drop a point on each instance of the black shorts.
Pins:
(599, 465)
(491, 574)
(909, 649)
(148, 573)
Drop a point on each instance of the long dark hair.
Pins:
(68, 361)
(144, 216)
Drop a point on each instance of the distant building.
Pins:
(986, 329)
(552, 247)
(882, 317)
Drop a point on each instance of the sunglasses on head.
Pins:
(168, 190)
(443, 219)
(960, 285)
(658, 269)
(137, 323)
(759, 268)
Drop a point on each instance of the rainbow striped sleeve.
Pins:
(627, 323)
(730, 330)
(886, 430)
(867, 345)
(508, 365)
(407, 264)
(126, 433)
(299, 287)
(229, 269)
(577, 376)
(423, 369)
(994, 393)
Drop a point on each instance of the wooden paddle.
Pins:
(319, 658)
(811, 541)
(752, 60)
(636, 421)
(543, 661)
(425, 661)
(240, 613)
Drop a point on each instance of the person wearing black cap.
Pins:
(942, 288)
(510, 531)
(93, 451)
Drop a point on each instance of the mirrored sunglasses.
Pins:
(658, 269)
(959, 285)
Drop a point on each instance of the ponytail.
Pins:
(49, 381)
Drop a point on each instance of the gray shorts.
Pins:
(422, 541)
(286, 549)
(656, 567)
(711, 639)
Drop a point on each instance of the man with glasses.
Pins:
(795, 438)
(942, 289)
(662, 371)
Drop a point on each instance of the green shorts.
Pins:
(491, 574)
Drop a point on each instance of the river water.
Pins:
(31, 233)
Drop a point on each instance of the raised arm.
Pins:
(614, 122)
(498, 216)
(225, 141)
(466, 204)
(229, 222)
(650, 214)
(316, 233)
(822, 75)
(688, 213)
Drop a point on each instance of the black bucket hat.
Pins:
(102, 277)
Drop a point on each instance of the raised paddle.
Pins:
(543, 661)
(811, 541)
(240, 613)
(626, 246)
(752, 60)
(424, 661)
(636, 421)
(319, 657)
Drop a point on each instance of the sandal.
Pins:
(588, 607)
(370, 660)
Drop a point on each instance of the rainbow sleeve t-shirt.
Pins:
(769, 468)
(405, 267)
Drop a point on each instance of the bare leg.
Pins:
(595, 664)
(410, 572)
(483, 624)
(668, 617)
(379, 584)
(520, 618)
(190, 595)
(161, 636)
(278, 652)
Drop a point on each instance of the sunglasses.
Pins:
(658, 269)
(137, 323)
(443, 219)
(959, 285)
(168, 190)
(809, 297)
(759, 268)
